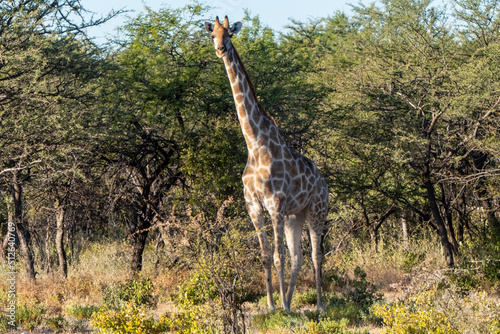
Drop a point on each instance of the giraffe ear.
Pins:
(209, 27)
(235, 28)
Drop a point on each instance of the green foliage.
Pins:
(198, 290)
(329, 326)
(129, 319)
(82, 311)
(280, 321)
(219, 246)
(139, 292)
(491, 271)
(307, 298)
(347, 311)
(464, 282)
(30, 316)
(276, 299)
(411, 261)
(364, 293)
(56, 323)
(341, 312)
(127, 309)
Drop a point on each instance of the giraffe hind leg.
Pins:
(279, 255)
(293, 234)
(316, 226)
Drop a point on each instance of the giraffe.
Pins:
(285, 183)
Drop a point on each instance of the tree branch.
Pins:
(20, 168)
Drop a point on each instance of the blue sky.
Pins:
(273, 13)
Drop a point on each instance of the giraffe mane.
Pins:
(252, 89)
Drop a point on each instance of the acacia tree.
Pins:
(479, 169)
(47, 62)
(403, 92)
(154, 114)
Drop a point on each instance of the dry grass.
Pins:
(389, 265)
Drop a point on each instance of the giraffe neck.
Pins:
(256, 124)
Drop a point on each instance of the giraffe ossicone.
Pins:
(285, 183)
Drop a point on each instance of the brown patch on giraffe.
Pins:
(276, 151)
(278, 173)
(277, 184)
(261, 141)
(268, 189)
(265, 158)
(239, 98)
(249, 170)
(303, 180)
(265, 125)
(287, 155)
(248, 102)
(292, 167)
(278, 165)
(249, 128)
(263, 174)
(244, 86)
(309, 187)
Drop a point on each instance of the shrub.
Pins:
(411, 260)
(137, 292)
(56, 323)
(364, 294)
(310, 323)
(277, 320)
(492, 270)
(276, 299)
(306, 298)
(464, 282)
(329, 326)
(198, 290)
(129, 319)
(436, 311)
(82, 312)
(30, 316)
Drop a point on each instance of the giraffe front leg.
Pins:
(255, 212)
(267, 263)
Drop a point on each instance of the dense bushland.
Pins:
(121, 167)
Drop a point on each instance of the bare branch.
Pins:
(20, 168)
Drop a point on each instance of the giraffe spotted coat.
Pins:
(277, 179)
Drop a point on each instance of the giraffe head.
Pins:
(221, 35)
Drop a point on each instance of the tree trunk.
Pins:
(373, 232)
(63, 266)
(404, 226)
(139, 230)
(48, 263)
(374, 238)
(440, 224)
(5, 244)
(493, 220)
(462, 217)
(22, 230)
(449, 221)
